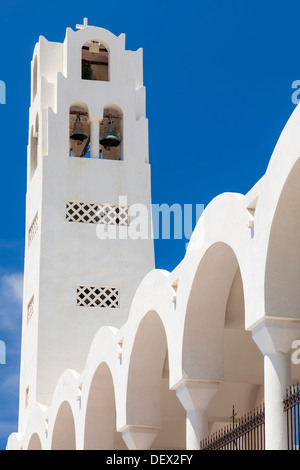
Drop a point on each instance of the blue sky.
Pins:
(218, 77)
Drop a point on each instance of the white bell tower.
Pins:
(87, 165)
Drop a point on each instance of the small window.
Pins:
(33, 151)
(33, 229)
(27, 397)
(97, 213)
(94, 61)
(30, 309)
(98, 296)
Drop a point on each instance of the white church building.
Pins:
(116, 354)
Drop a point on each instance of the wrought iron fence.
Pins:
(247, 433)
(291, 406)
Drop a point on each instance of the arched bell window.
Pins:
(94, 61)
(79, 131)
(111, 133)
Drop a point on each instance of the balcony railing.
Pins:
(291, 406)
(247, 433)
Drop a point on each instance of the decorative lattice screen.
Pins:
(94, 213)
(33, 229)
(96, 296)
(30, 309)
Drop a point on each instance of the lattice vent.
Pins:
(30, 309)
(95, 296)
(93, 213)
(33, 229)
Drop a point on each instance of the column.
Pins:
(195, 396)
(274, 338)
(94, 142)
(196, 428)
(277, 379)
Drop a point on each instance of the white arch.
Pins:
(104, 351)
(66, 394)
(268, 193)
(36, 425)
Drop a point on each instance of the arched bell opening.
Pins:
(79, 131)
(111, 131)
(94, 61)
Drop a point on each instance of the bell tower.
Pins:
(87, 166)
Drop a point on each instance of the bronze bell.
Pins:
(78, 132)
(86, 72)
(110, 137)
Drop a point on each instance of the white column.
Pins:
(196, 428)
(94, 142)
(195, 396)
(274, 337)
(277, 378)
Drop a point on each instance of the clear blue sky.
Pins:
(218, 76)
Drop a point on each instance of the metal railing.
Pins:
(291, 406)
(247, 433)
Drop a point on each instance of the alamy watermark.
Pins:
(2, 352)
(165, 222)
(295, 356)
(2, 92)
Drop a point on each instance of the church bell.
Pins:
(110, 137)
(78, 132)
(87, 72)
